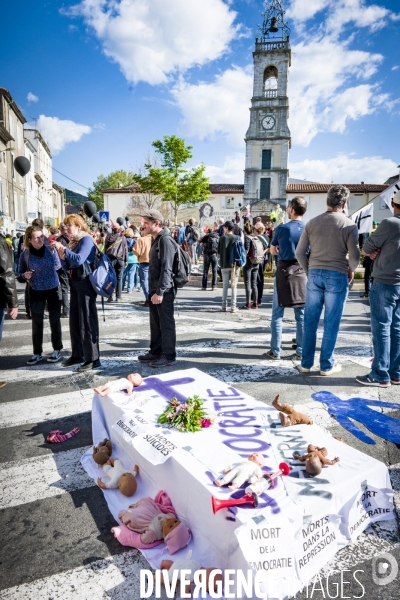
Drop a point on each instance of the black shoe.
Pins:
(294, 346)
(148, 357)
(110, 299)
(64, 316)
(146, 303)
(89, 365)
(71, 361)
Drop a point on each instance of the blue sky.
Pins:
(106, 78)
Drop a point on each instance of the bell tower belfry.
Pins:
(268, 136)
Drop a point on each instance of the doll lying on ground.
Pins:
(119, 477)
(127, 384)
(102, 452)
(315, 459)
(192, 566)
(291, 416)
(242, 472)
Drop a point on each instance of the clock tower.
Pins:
(268, 136)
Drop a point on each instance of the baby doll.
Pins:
(242, 472)
(291, 416)
(127, 384)
(192, 566)
(145, 518)
(315, 459)
(119, 477)
(102, 452)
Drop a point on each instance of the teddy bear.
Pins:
(119, 477)
(102, 452)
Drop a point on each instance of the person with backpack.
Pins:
(228, 269)
(192, 239)
(210, 244)
(39, 266)
(115, 247)
(255, 256)
(162, 292)
(259, 230)
(78, 259)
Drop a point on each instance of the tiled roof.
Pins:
(324, 187)
(223, 188)
(132, 188)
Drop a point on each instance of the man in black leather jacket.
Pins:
(8, 290)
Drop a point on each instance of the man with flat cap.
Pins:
(161, 292)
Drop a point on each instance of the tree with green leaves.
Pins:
(176, 184)
(115, 179)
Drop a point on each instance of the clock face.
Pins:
(268, 122)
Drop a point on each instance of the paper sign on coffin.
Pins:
(245, 425)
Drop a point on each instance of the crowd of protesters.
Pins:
(313, 265)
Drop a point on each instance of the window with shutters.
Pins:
(266, 159)
(265, 188)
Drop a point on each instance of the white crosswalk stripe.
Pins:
(31, 479)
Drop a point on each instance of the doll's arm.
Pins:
(300, 458)
(227, 470)
(326, 461)
(101, 484)
(136, 470)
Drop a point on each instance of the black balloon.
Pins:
(126, 219)
(120, 221)
(89, 208)
(96, 218)
(22, 165)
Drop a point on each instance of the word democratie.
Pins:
(236, 584)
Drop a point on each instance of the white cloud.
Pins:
(395, 67)
(58, 132)
(300, 11)
(230, 172)
(220, 107)
(150, 41)
(32, 98)
(344, 168)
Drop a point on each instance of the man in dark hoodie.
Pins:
(161, 292)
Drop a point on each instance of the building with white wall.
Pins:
(43, 176)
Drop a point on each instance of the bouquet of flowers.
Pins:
(189, 416)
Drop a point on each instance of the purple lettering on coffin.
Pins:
(166, 388)
(359, 409)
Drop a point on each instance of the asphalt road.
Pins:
(56, 524)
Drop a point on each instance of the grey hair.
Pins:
(337, 196)
(220, 220)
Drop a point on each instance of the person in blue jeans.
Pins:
(284, 244)
(383, 247)
(328, 250)
(132, 267)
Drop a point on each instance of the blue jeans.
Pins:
(276, 326)
(144, 278)
(2, 315)
(130, 272)
(384, 301)
(324, 288)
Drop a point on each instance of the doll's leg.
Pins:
(103, 390)
(228, 477)
(285, 420)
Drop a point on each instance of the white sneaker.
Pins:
(335, 369)
(55, 357)
(303, 369)
(34, 359)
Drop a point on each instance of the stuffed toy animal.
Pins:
(291, 416)
(315, 459)
(119, 477)
(192, 566)
(127, 384)
(154, 523)
(102, 452)
(242, 472)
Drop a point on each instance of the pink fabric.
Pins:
(178, 538)
(164, 503)
(126, 537)
(139, 516)
(115, 225)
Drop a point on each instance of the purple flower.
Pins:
(181, 407)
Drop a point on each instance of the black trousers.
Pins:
(162, 326)
(367, 265)
(64, 289)
(119, 267)
(38, 299)
(27, 300)
(250, 281)
(260, 283)
(210, 259)
(83, 320)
